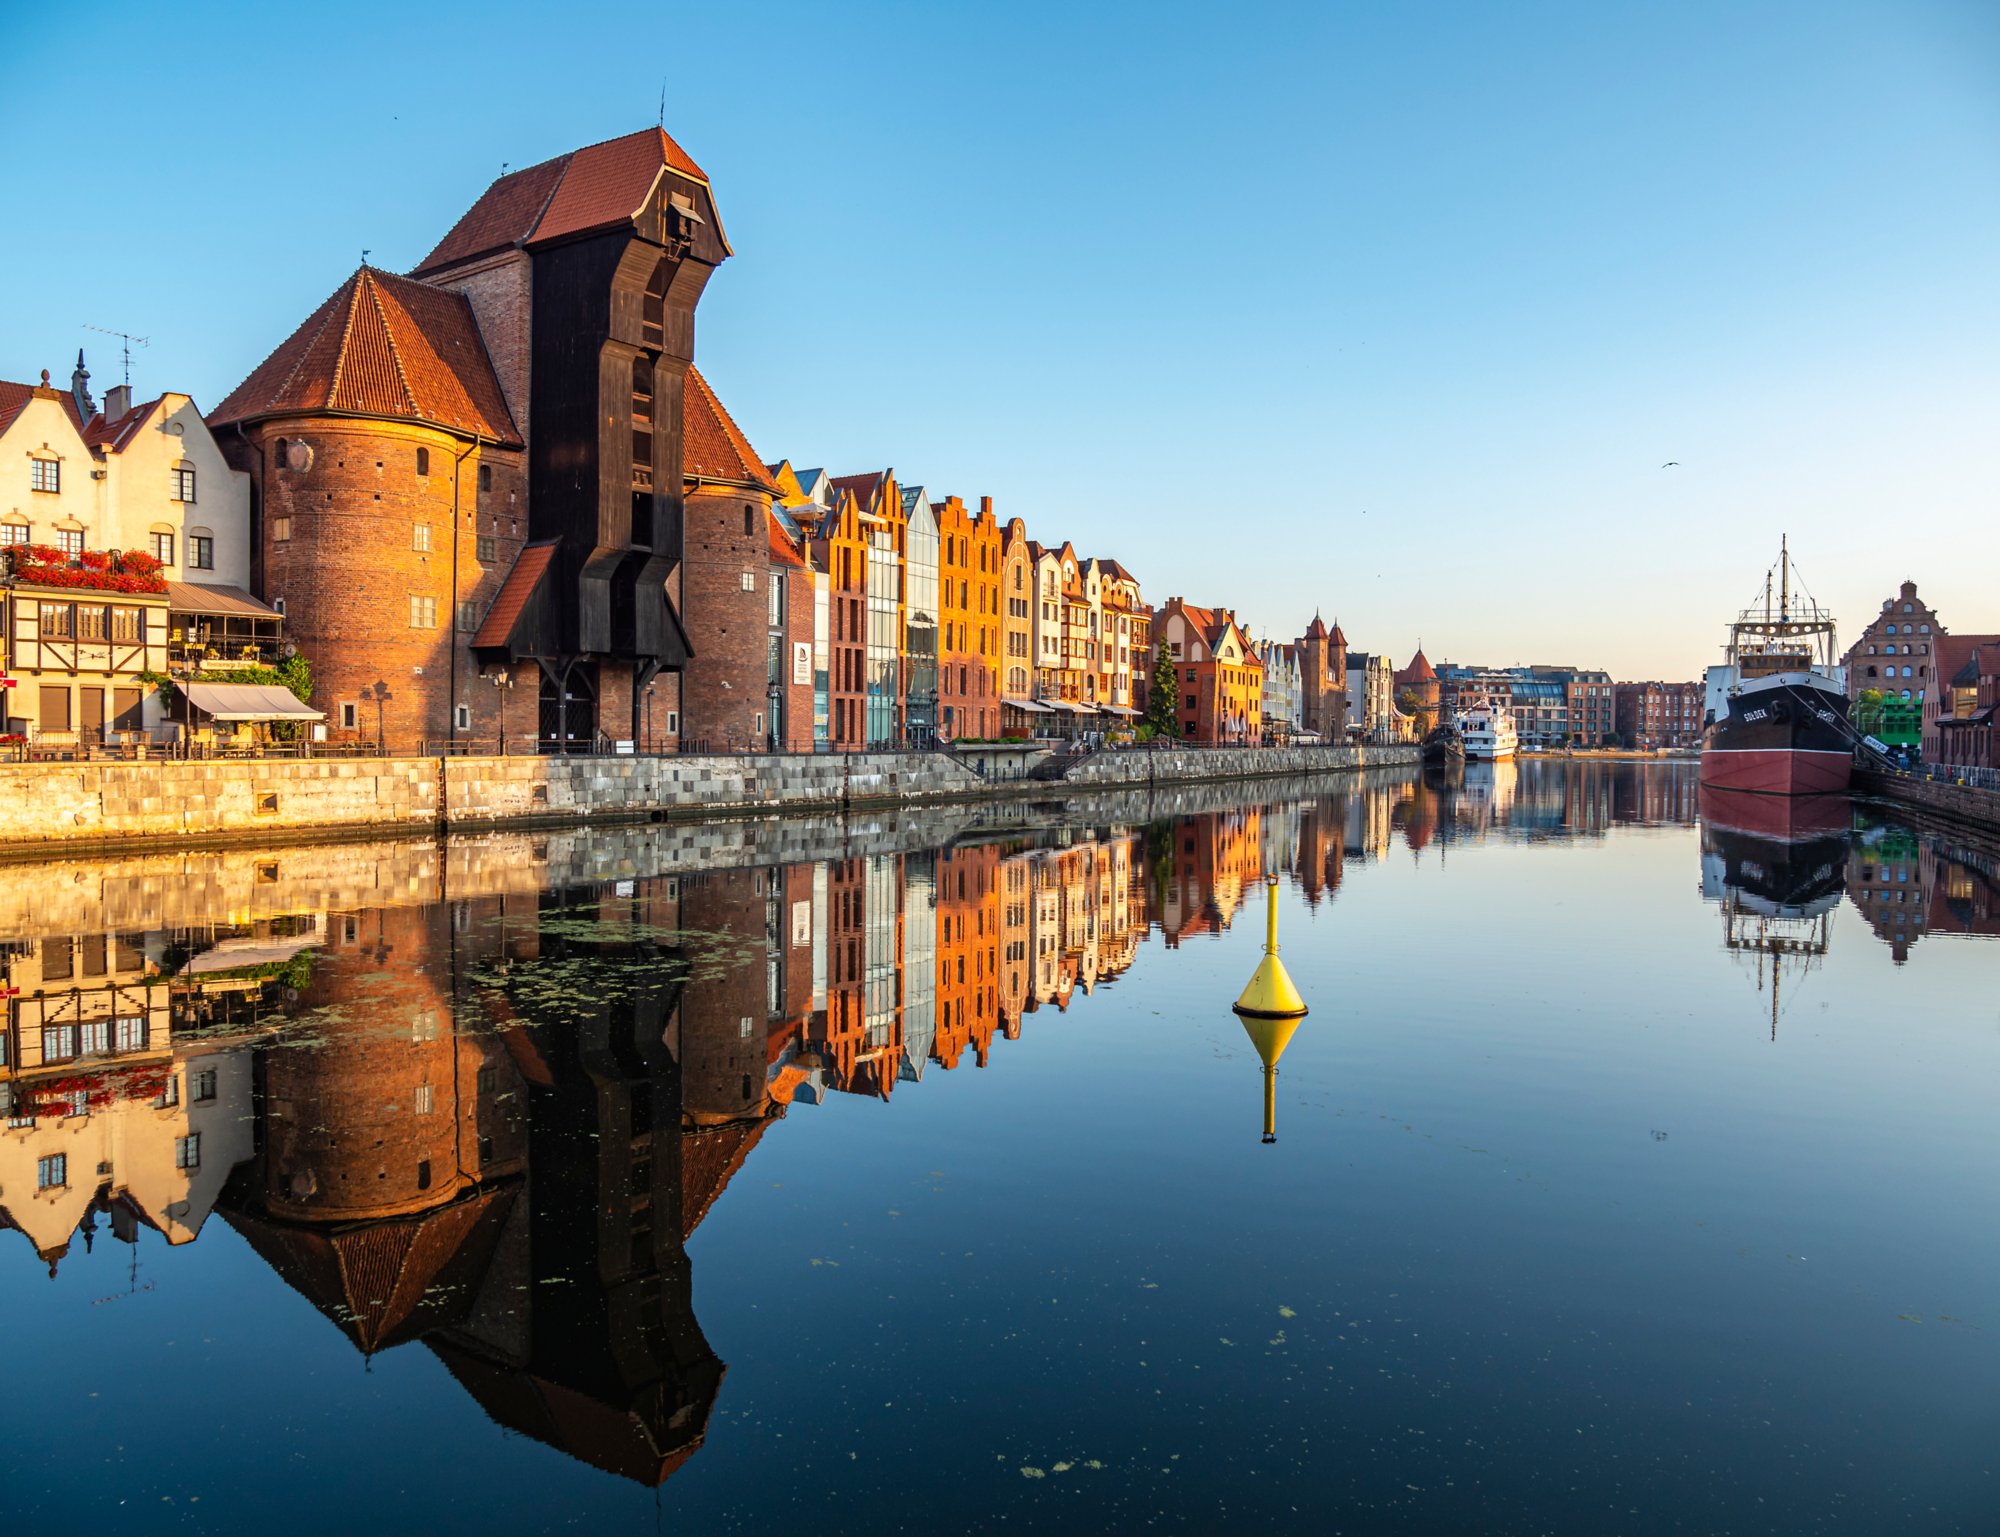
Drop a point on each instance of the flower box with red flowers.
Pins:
(41, 565)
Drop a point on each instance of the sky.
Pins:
(1394, 313)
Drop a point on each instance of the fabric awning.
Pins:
(249, 701)
(1119, 709)
(201, 598)
(244, 951)
(1029, 705)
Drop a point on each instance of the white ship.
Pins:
(1488, 731)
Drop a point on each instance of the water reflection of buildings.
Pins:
(1907, 886)
(494, 1123)
(125, 1076)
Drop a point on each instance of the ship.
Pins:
(1775, 711)
(1443, 745)
(1487, 732)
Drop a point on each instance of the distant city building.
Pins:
(1281, 688)
(1371, 703)
(1323, 681)
(1220, 678)
(1654, 716)
(1552, 706)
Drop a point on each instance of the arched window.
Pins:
(1906, 693)
(1871, 672)
(1923, 629)
(1906, 608)
(748, 511)
(423, 461)
(278, 452)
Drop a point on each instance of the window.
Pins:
(187, 1151)
(94, 1035)
(482, 548)
(423, 1105)
(463, 717)
(347, 711)
(201, 552)
(468, 616)
(423, 461)
(485, 1150)
(45, 475)
(170, 1096)
(70, 541)
(163, 548)
(92, 622)
(128, 1033)
(58, 1043)
(486, 477)
(281, 530)
(183, 482)
(423, 613)
(13, 533)
(420, 536)
(423, 1174)
(52, 1172)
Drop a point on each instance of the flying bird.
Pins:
(1670, 464)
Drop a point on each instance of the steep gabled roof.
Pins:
(14, 399)
(386, 347)
(713, 447)
(784, 548)
(596, 187)
(115, 437)
(866, 489)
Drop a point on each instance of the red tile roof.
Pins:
(498, 625)
(15, 397)
(381, 346)
(712, 445)
(1419, 670)
(596, 187)
(116, 437)
(783, 552)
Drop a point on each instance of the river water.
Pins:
(1634, 1173)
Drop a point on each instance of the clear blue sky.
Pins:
(1389, 310)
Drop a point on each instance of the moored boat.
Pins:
(1487, 731)
(1776, 709)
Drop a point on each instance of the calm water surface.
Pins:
(1635, 1173)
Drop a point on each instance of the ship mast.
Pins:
(1784, 577)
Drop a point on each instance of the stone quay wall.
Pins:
(1187, 764)
(273, 800)
(1958, 803)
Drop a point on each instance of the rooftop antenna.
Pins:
(663, 104)
(130, 342)
(364, 254)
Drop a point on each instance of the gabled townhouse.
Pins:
(1220, 676)
(970, 657)
(878, 504)
(922, 627)
(127, 550)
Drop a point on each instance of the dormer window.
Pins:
(45, 475)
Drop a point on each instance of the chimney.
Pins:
(117, 401)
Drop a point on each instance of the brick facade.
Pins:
(344, 520)
(970, 640)
(725, 585)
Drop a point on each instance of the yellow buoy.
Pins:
(1270, 1008)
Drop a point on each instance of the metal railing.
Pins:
(1968, 776)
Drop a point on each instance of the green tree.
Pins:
(1162, 712)
(1866, 715)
